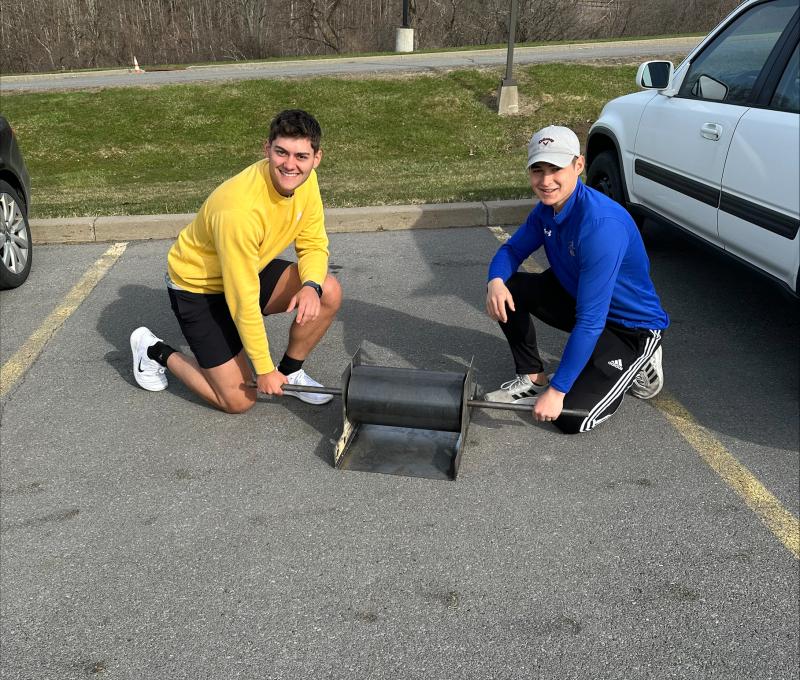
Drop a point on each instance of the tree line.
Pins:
(48, 35)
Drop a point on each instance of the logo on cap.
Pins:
(546, 140)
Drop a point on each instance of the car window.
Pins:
(728, 68)
(787, 96)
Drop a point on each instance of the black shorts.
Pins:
(206, 321)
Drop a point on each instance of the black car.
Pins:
(15, 189)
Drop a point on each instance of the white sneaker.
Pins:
(148, 373)
(649, 381)
(520, 390)
(302, 378)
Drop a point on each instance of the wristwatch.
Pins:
(315, 286)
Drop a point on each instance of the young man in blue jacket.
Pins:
(598, 289)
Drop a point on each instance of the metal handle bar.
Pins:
(473, 403)
(480, 403)
(335, 391)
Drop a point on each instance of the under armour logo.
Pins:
(616, 363)
(548, 232)
(546, 140)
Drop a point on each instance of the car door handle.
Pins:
(711, 131)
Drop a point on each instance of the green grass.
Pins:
(414, 139)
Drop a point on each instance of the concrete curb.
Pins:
(337, 220)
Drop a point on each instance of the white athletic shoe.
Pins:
(148, 373)
(649, 381)
(302, 378)
(520, 390)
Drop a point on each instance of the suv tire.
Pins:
(604, 175)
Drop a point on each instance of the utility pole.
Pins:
(404, 38)
(507, 96)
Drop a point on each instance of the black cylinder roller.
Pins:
(405, 397)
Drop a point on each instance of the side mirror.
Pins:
(655, 75)
(707, 87)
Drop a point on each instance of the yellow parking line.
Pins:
(500, 234)
(769, 509)
(24, 357)
(530, 265)
(758, 498)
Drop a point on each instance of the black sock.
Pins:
(160, 352)
(289, 365)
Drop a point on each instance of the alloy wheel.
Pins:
(14, 236)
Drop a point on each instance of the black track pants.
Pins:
(618, 356)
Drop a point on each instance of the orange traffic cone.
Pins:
(136, 68)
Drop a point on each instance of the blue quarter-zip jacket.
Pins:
(597, 254)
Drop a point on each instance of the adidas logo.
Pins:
(616, 363)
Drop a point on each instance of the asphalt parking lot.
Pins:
(147, 536)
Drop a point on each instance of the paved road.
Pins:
(145, 536)
(397, 63)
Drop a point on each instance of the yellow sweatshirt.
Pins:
(243, 225)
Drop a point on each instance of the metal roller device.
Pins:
(405, 421)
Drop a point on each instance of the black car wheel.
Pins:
(15, 238)
(604, 176)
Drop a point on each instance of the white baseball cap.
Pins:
(554, 144)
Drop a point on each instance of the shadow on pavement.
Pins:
(136, 306)
(416, 342)
(730, 354)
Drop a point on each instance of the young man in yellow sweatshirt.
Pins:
(223, 275)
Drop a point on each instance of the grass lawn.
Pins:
(411, 139)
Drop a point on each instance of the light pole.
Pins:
(507, 96)
(404, 38)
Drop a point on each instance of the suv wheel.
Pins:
(15, 238)
(603, 175)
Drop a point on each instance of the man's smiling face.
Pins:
(291, 161)
(553, 185)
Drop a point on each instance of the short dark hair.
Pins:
(296, 124)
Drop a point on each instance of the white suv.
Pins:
(713, 146)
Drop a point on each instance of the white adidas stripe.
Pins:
(592, 419)
(618, 388)
(622, 383)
